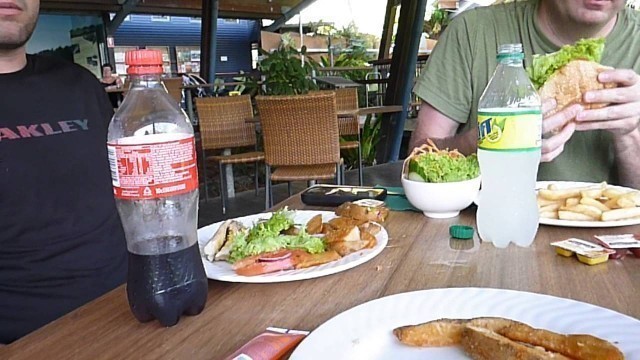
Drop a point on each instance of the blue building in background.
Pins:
(179, 40)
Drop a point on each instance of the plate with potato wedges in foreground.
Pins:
(583, 204)
(474, 323)
(290, 245)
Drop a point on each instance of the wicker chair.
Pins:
(347, 99)
(300, 139)
(174, 88)
(223, 126)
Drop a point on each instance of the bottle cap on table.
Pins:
(462, 232)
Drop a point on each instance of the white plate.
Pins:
(590, 224)
(221, 270)
(365, 331)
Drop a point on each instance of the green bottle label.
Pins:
(510, 131)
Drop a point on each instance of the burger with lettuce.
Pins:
(566, 75)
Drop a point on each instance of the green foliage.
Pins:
(284, 72)
(368, 141)
(438, 21)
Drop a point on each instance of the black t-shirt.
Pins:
(61, 240)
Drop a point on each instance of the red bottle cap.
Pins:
(144, 61)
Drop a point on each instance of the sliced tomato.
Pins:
(274, 256)
(265, 267)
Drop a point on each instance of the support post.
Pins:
(403, 66)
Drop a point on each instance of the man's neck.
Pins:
(12, 60)
(561, 32)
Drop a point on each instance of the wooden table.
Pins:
(420, 256)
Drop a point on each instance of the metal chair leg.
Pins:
(256, 178)
(289, 188)
(204, 177)
(223, 188)
(267, 189)
(360, 169)
(338, 175)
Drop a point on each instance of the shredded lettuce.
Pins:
(441, 167)
(265, 237)
(543, 66)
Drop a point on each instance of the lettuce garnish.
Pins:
(543, 66)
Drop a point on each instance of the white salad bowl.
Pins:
(441, 200)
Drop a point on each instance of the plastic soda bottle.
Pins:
(509, 140)
(155, 182)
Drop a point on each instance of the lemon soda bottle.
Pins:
(509, 140)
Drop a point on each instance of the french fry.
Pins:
(559, 193)
(574, 216)
(591, 193)
(625, 202)
(588, 203)
(549, 215)
(591, 211)
(594, 203)
(544, 202)
(621, 214)
(612, 203)
(550, 208)
(572, 202)
(612, 193)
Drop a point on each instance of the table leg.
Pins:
(231, 191)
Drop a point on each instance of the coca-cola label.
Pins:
(151, 170)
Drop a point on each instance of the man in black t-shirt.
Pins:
(61, 240)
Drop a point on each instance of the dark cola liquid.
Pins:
(166, 286)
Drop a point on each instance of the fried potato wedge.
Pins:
(343, 234)
(494, 338)
(314, 225)
(369, 238)
(444, 332)
(483, 344)
(345, 248)
(594, 203)
(573, 346)
(309, 260)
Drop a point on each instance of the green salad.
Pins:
(429, 164)
(543, 66)
(266, 236)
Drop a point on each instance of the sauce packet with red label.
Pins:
(272, 344)
(622, 244)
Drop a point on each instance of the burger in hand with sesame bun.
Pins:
(569, 73)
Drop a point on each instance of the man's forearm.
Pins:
(627, 149)
(465, 142)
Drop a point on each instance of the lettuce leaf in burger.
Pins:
(566, 75)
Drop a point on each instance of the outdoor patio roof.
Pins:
(245, 9)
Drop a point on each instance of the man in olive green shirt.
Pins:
(578, 144)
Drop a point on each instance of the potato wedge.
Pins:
(549, 215)
(573, 346)
(484, 344)
(572, 202)
(314, 225)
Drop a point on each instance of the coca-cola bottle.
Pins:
(155, 183)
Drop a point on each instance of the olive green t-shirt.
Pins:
(462, 63)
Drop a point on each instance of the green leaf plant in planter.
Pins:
(284, 73)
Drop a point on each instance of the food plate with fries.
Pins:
(583, 204)
(369, 331)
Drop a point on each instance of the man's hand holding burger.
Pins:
(622, 116)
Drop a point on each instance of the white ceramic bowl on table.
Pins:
(441, 200)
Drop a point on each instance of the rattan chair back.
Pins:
(223, 122)
(299, 130)
(174, 88)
